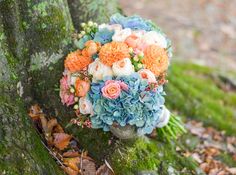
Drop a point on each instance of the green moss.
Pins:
(144, 154)
(98, 11)
(193, 92)
(52, 25)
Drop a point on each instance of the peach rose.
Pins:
(156, 38)
(85, 106)
(123, 67)
(91, 48)
(81, 87)
(121, 35)
(131, 41)
(112, 89)
(99, 70)
(147, 75)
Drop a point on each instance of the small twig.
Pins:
(55, 157)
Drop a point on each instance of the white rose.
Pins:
(121, 35)
(99, 70)
(115, 27)
(164, 118)
(85, 106)
(138, 33)
(123, 67)
(147, 75)
(153, 37)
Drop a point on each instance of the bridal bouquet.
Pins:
(115, 78)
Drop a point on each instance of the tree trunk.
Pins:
(34, 38)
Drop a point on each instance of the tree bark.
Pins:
(26, 28)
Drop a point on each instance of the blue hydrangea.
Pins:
(135, 107)
(134, 22)
(103, 36)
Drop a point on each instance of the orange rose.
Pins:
(81, 87)
(75, 61)
(112, 52)
(155, 59)
(91, 48)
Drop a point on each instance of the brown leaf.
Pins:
(35, 112)
(88, 167)
(73, 163)
(104, 170)
(61, 140)
(71, 154)
(58, 129)
(70, 171)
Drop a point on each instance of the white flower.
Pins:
(153, 37)
(115, 27)
(164, 118)
(121, 35)
(147, 75)
(138, 33)
(99, 70)
(85, 106)
(102, 26)
(123, 67)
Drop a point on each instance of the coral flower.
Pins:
(75, 61)
(112, 52)
(81, 87)
(155, 59)
(91, 48)
(131, 41)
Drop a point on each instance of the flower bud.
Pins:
(139, 66)
(136, 59)
(90, 23)
(76, 107)
(72, 90)
(76, 99)
(83, 24)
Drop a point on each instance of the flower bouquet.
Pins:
(114, 80)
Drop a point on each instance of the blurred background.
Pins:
(203, 31)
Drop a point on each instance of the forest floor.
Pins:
(202, 31)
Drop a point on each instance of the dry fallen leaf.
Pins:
(35, 112)
(88, 167)
(70, 171)
(71, 154)
(104, 170)
(61, 140)
(73, 163)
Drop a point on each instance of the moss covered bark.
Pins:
(99, 11)
(21, 150)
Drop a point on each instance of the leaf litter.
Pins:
(64, 147)
(212, 144)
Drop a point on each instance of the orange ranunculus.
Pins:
(76, 62)
(81, 87)
(91, 48)
(112, 52)
(155, 59)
